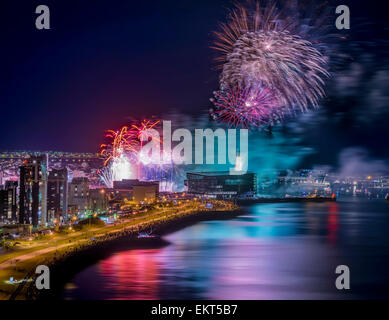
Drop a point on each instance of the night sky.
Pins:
(104, 62)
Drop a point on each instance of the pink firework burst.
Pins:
(245, 107)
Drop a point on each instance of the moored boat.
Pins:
(148, 235)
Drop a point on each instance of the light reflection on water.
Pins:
(275, 251)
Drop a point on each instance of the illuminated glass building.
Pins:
(221, 184)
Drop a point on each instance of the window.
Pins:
(233, 181)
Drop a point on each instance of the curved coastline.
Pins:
(65, 264)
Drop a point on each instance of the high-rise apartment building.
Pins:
(57, 195)
(33, 191)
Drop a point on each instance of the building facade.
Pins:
(9, 201)
(33, 191)
(145, 192)
(11, 189)
(78, 196)
(125, 184)
(57, 195)
(3, 205)
(139, 191)
(98, 201)
(221, 184)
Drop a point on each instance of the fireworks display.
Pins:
(245, 107)
(117, 155)
(124, 159)
(268, 49)
(122, 168)
(122, 141)
(274, 61)
(139, 129)
(106, 176)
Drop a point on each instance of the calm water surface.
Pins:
(274, 251)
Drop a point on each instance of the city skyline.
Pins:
(100, 92)
(194, 150)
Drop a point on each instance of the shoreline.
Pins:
(65, 264)
(67, 261)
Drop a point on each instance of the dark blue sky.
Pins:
(105, 61)
(101, 62)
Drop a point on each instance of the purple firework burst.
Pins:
(245, 107)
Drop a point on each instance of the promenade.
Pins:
(21, 261)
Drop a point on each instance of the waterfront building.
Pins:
(371, 186)
(86, 163)
(11, 189)
(303, 182)
(57, 194)
(139, 191)
(118, 197)
(145, 192)
(98, 200)
(3, 205)
(33, 191)
(125, 184)
(9, 201)
(78, 195)
(221, 184)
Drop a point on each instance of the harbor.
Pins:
(269, 251)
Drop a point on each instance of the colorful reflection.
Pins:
(131, 275)
(274, 251)
(333, 222)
